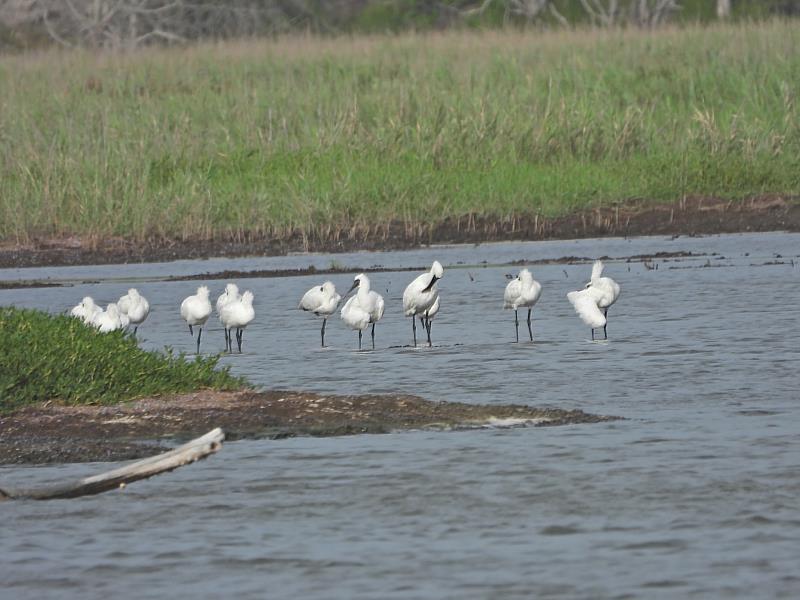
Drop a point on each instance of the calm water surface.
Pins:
(695, 494)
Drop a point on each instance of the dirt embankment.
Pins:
(691, 216)
(53, 433)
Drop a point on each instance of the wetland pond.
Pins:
(693, 494)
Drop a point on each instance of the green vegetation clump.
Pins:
(328, 137)
(47, 357)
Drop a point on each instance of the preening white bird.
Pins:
(322, 300)
(237, 314)
(86, 310)
(110, 319)
(363, 308)
(135, 307)
(522, 292)
(592, 302)
(419, 298)
(195, 310)
(230, 294)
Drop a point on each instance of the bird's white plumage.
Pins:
(196, 309)
(585, 304)
(365, 307)
(522, 292)
(230, 294)
(434, 309)
(353, 315)
(322, 300)
(110, 319)
(134, 306)
(238, 314)
(419, 296)
(607, 290)
(86, 310)
(592, 302)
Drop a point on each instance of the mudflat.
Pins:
(690, 216)
(53, 433)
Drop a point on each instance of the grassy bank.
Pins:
(46, 357)
(335, 137)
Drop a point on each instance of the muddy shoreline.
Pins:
(52, 433)
(691, 216)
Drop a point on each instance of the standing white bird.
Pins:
(86, 310)
(363, 308)
(592, 303)
(237, 314)
(110, 319)
(322, 300)
(195, 310)
(522, 291)
(419, 298)
(135, 307)
(231, 294)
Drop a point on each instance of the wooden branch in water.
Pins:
(190, 452)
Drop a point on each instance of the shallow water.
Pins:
(694, 494)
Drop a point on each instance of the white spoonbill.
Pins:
(135, 307)
(195, 310)
(363, 308)
(322, 300)
(420, 296)
(592, 302)
(110, 319)
(230, 294)
(237, 314)
(86, 310)
(522, 291)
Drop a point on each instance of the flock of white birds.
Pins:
(362, 309)
(131, 309)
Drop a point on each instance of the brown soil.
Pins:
(52, 433)
(690, 216)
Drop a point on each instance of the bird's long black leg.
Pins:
(227, 337)
(373, 336)
(414, 328)
(592, 333)
(428, 329)
(239, 336)
(530, 331)
(605, 333)
(199, 333)
(516, 323)
(359, 339)
(135, 329)
(190, 331)
(323, 331)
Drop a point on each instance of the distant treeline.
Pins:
(124, 24)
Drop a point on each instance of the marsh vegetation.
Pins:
(54, 357)
(332, 138)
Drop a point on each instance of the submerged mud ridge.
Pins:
(690, 216)
(53, 434)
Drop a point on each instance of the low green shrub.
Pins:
(48, 357)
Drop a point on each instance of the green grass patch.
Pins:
(47, 357)
(325, 135)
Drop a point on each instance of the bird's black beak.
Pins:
(430, 285)
(354, 286)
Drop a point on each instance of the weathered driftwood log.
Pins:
(190, 452)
